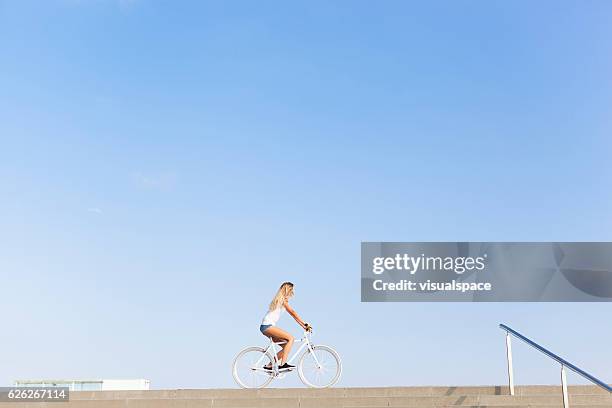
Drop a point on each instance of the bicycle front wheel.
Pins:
(320, 368)
(248, 368)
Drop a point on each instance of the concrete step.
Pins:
(554, 390)
(277, 403)
(307, 403)
(398, 397)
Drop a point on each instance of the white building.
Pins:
(88, 385)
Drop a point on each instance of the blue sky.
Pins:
(165, 166)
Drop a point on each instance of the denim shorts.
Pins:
(264, 327)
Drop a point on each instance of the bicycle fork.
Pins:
(311, 350)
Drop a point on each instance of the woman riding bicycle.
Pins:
(318, 365)
(268, 324)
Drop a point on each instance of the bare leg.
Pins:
(279, 334)
(279, 355)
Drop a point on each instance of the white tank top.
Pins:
(272, 316)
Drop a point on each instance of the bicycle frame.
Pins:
(274, 349)
(313, 365)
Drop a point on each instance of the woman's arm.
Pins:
(293, 314)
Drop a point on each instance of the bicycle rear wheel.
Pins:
(320, 368)
(248, 368)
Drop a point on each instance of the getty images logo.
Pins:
(413, 264)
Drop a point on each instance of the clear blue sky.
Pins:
(165, 165)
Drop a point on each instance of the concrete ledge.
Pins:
(539, 396)
(356, 392)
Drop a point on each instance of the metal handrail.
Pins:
(558, 359)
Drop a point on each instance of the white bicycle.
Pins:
(318, 367)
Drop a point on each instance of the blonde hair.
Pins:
(284, 292)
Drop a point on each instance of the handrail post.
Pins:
(564, 387)
(509, 358)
